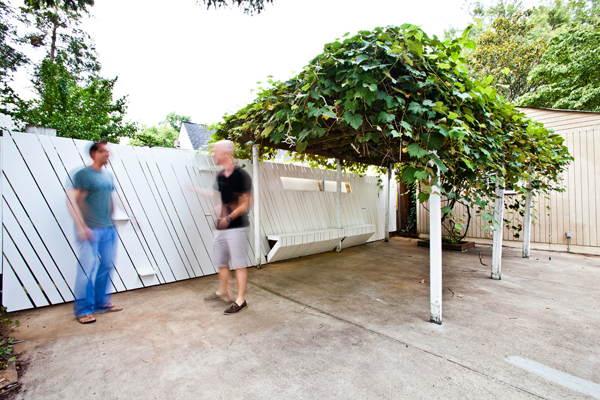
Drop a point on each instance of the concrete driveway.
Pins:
(352, 325)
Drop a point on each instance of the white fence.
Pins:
(165, 230)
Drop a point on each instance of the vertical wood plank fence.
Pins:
(575, 209)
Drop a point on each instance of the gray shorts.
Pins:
(230, 245)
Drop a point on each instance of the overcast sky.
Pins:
(177, 56)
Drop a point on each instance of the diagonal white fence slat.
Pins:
(27, 193)
(165, 230)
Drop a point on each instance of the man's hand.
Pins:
(223, 223)
(201, 191)
(85, 234)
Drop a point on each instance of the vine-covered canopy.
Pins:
(396, 96)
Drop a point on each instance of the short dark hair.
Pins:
(94, 147)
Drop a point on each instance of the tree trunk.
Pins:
(468, 223)
(53, 44)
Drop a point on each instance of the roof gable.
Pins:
(199, 134)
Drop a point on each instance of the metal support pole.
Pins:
(497, 247)
(435, 256)
(256, 197)
(527, 225)
(338, 189)
(387, 205)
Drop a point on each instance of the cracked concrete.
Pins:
(352, 325)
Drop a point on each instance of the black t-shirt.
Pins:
(231, 188)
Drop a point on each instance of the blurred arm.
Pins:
(76, 201)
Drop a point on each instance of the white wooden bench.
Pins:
(298, 244)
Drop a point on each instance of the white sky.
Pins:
(177, 56)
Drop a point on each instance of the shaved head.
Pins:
(223, 152)
(225, 145)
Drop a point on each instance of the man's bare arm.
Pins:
(75, 203)
(202, 191)
(244, 203)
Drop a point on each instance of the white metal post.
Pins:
(338, 189)
(527, 224)
(256, 197)
(498, 231)
(387, 206)
(435, 256)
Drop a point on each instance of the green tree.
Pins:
(483, 14)
(557, 17)
(56, 30)
(10, 57)
(569, 75)
(162, 135)
(76, 107)
(74, 5)
(72, 96)
(250, 6)
(585, 12)
(488, 13)
(505, 53)
(174, 120)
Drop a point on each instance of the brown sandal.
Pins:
(215, 297)
(110, 307)
(86, 319)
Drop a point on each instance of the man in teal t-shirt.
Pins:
(96, 236)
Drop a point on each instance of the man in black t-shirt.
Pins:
(234, 186)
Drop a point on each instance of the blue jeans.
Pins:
(96, 258)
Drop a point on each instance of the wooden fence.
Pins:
(574, 210)
(165, 230)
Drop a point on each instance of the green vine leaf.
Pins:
(354, 120)
(395, 95)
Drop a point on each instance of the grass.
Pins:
(6, 346)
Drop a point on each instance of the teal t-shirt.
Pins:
(99, 186)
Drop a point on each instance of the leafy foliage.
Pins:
(6, 342)
(585, 12)
(504, 52)
(73, 5)
(174, 121)
(72, 97)
(512, 40)
(549, 17)
(75, 107)
(10, 57)
(250, 6)
(56, 30)
(569, 74)
(162, 136)
(395, 95)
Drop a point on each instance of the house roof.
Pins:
(199, 134)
